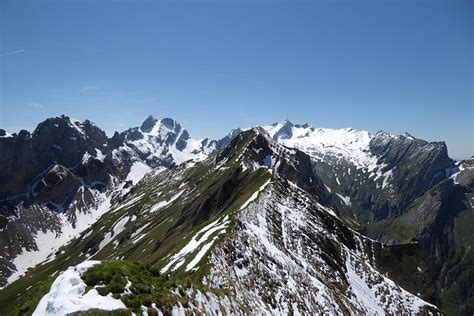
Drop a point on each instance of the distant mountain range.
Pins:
(276, 219)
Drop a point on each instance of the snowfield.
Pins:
(321, 143)
(137, 172)
(48, 242)
(67, 295)
(333, 146)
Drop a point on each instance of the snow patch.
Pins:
(67, 295)
(218, 227)
(7, 135)
(255, 195)
(137, 172)
(163, 204)
(118, 227)
(345, 199)
(49, 242)
(99, 155)
(386, 177)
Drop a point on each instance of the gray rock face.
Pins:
(441, 221)
(26, 159)
(148, 124)
(58, 140)
(406, 168)
(47, 177)
(374, 177)
(171, 124)
(182, 141)
(56, 187)
(219, 144)
(417, 164)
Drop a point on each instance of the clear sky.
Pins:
(214, 65)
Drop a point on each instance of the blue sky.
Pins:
(214, 65)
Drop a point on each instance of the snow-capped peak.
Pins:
(5, 134)
(162, 128)
(322, 143)
(162, 142)
(282, 129)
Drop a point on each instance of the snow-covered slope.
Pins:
(326, 144)
(63, 227)
(289, 255)
(333, 146)
(372, 174)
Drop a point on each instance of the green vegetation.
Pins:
(147, 286)
(29, 299)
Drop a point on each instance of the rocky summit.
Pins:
(275, 219)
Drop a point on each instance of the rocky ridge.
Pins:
(243, 230)
(89, 202)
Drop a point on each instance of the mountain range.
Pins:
(278, 219)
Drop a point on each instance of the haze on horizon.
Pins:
(392, 66)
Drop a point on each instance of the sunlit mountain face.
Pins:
(274, 219)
